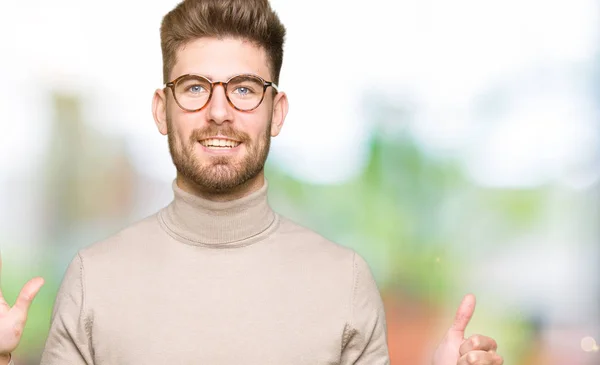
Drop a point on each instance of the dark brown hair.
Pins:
(251, 20)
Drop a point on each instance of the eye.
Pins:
(242, 90)
(245, 87)
(196, 89)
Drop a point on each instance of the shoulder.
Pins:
(125, 243)
(293, 234)
(339, 265)
(319, 252)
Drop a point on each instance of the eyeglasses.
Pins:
(243, 92)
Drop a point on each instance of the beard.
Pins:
(219, 174)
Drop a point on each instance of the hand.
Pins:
(456, 350)
(12, 320)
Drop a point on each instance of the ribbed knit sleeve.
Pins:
(365, 336)
(69, 338)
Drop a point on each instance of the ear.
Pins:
(280, 110)
(159, 110)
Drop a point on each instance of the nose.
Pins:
(218, 108)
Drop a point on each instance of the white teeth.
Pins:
(221, 143)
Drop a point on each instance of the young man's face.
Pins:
(196, 138)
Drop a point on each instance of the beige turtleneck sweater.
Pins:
(231, 283)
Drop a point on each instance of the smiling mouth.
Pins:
(219, 143)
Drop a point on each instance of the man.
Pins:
(217, 277)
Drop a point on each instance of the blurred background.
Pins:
(454, 144)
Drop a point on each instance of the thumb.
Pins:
(463, 315)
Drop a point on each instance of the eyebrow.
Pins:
(212, 78)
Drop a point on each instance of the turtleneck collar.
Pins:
(199, 221)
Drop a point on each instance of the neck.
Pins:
(227, 222)
(235, 193)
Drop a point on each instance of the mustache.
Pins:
(211, 131)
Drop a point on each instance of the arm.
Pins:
(69, 340)
(365, 336)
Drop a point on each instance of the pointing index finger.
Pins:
(463, 314)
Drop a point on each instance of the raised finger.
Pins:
(478, 342)
(27, 294)
(463, 315)
(481, 358)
